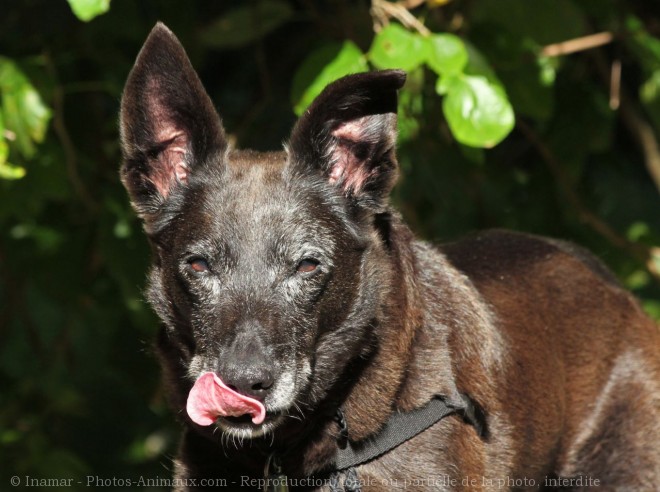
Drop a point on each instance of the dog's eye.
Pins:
(308, 265)
(198, 265)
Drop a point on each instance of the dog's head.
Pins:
(269, 269)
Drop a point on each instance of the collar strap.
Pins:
(402, 427)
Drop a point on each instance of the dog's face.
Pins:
(267, 267)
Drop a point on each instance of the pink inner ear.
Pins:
(351, 130)
(347, 168)
(169, 167)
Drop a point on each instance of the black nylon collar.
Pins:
(402, 427)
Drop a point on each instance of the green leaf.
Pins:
(408, 124)
(548, 66)
(309, 70)
(86, 10)
(4, 150)
(411, 106)
(8, 171)
(646, 49)
(11, 172)
(477, 111)
(23, 110)
(244, 25)
(446, 54)
(645, 46)
(637, 231)
(395, 47)
(650, 90)
(317, 71)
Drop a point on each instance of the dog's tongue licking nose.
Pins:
(210, 398)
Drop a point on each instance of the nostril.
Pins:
(262, 386)
(265, 383)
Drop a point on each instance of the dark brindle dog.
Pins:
(300, 314)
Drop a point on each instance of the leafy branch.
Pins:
(474, 102)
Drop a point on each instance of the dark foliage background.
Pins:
(79, 392)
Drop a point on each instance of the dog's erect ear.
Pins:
(168, 123)
(349, 135)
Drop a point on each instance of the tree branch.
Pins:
(640, 129)
(578, 44)
(382, 11)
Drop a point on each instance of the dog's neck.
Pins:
(367, 403)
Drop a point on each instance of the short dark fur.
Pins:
(561, 361)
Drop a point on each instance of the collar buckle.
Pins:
(275, 480)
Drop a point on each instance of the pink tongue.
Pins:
(210, 398)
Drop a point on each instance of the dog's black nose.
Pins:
(246, 365)
(250, 380)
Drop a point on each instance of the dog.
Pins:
(301, 317)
